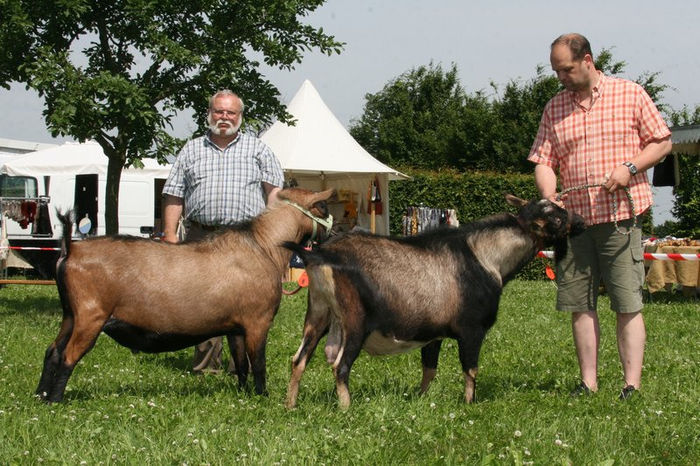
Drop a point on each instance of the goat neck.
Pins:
(279, 224)
(502, 249)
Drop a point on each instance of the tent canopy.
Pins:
(318, 142)
(73, 158)
(686, 139)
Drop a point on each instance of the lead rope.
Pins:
(614, 204)
(326, 222)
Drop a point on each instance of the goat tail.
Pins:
(67, 222)
(308, 256)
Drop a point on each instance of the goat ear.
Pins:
(283, 194)
(515, 201)
(322, 196)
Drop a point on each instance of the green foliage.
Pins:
(686, 204)
(415, 119)
(424, 119)
(119, 71)
(124, 408)
(685, 116)
(517, 117)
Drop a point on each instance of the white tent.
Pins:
(319, 153)
(73, 158)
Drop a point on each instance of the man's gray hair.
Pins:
(225, 92)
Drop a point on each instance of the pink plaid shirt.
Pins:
(585, 145)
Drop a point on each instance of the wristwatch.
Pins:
(631, 167)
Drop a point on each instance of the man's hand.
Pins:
(170, 238)
(618, 178)
(558, 199)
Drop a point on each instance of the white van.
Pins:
(73, 176)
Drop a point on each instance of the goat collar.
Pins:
(326, 222)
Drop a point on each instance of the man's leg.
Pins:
(586, 331)
(207, 356)
(631, 338)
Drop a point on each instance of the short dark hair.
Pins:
(577, 43)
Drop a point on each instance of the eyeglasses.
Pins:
(232, 113)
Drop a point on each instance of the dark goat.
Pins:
(153, 296)
(390, 295)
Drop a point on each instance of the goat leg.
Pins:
(255, 341)
(61, 376)
(469, 346)
(470, 384)
(53, 356)
(348, 353)
(429, 358)
(239, 358)
(312, 335)
(48, 374)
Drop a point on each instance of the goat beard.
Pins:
(230, 129)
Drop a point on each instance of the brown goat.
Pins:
(390, 295)
(153, 296)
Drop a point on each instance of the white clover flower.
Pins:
(517, 433)
(558, 442)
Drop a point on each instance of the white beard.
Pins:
(230, 129)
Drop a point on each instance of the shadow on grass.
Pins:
(29, 305)
(204, 386)
(675, 296)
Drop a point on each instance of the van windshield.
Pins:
(18, 186)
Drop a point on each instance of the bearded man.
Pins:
(217, 180)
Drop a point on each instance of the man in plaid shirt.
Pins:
(602, 132)
(217, 180)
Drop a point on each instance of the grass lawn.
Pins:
(123, 408)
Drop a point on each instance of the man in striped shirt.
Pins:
(600, 134)
(219, 179)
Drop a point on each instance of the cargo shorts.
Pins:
(602, 253)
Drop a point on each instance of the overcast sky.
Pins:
(488, 41)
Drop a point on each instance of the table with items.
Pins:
(664, 274)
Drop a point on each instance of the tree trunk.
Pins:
(114, 175)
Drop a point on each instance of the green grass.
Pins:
(148, 409)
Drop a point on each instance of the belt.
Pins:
(206, 227)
